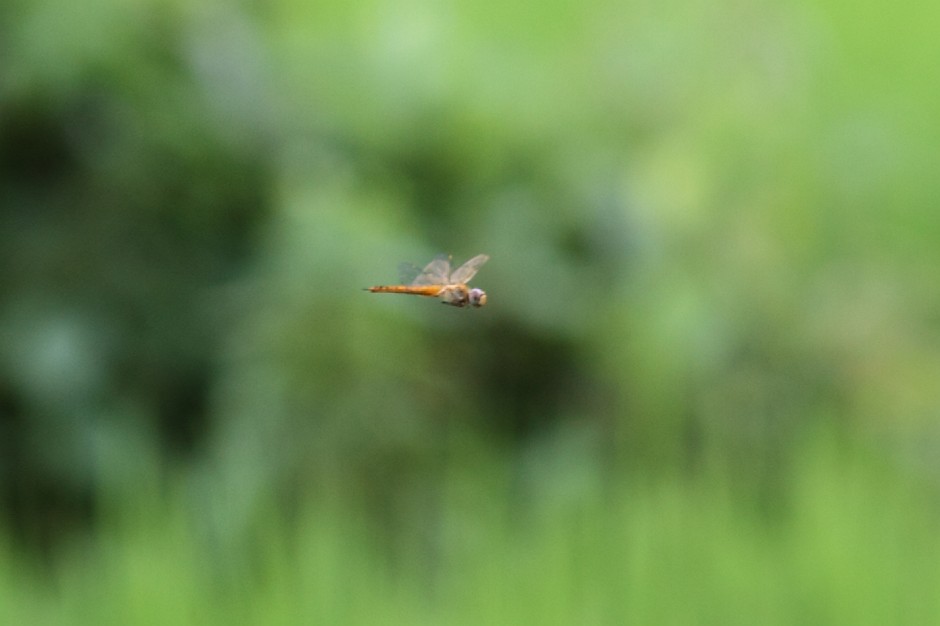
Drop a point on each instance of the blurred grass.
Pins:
(853, 542)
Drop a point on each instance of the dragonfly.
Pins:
(437, 280)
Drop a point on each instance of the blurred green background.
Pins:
(704, 391)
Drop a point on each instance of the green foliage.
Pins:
(855, 544)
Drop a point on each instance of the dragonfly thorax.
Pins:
(461, 296)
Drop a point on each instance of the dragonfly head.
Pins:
(477, 298)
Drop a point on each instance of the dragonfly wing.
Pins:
(468, 270)
(407, 272)
(434, 273)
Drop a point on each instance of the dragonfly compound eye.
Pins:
(477, 297)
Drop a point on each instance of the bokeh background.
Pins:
(704, 391)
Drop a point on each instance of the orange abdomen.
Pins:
(417, 290)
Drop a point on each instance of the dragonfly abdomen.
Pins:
(417, 290)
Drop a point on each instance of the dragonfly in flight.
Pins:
(437, 280)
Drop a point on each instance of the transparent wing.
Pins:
(407, 272)
(468, 270)
(434, 273)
